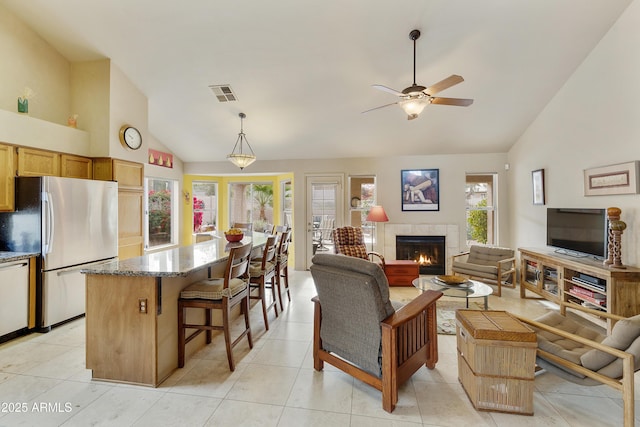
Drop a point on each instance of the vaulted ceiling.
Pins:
(302, 70)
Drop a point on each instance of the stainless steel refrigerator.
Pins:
(71, 223)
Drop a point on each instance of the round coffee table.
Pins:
(473, 289)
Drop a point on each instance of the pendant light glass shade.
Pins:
(413, 107)
(241, 158)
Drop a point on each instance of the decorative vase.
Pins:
(23, 105)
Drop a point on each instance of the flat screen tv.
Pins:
(578, 231)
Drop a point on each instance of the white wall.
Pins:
(594, 120)
(388, 180)
(29, 61)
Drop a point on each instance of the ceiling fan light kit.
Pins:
(414, 98)
(240, 158)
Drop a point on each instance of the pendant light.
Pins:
(240, 158)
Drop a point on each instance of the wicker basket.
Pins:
(496, 360)
(496, 393)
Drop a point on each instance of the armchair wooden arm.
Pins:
(409, 341)
(460, 254)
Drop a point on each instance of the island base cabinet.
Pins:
(125, 344)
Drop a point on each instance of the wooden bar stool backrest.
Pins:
(261, 271)
(282, 264)
(222, 293)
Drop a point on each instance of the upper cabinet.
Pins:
(7, 181)
(130, 175)
(76, 166)
(33, 162)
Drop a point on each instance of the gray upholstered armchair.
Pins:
(488, 263)
(358, 330)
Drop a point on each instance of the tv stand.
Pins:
(567, 280)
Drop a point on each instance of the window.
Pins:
(205, 206)
(161, 212)
(481, 209)
(287, 203)
(251, 202)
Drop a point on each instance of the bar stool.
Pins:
(222, 293)
(282, 263)
(261, 271)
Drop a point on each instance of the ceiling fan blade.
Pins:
(444, 84)
(382, 106)
(388, 89)
(452, 101)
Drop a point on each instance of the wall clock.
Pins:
(130, 137)
(355, 202)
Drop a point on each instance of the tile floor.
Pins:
(274, 384)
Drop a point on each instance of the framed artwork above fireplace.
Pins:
(420, 190)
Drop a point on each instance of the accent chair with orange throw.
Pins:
(358, 330)
(350, 241)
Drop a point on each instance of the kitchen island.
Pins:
(131, 312)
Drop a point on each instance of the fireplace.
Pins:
(428, 251)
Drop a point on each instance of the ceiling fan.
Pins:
(416, 97)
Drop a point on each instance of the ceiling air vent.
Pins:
(223, 93)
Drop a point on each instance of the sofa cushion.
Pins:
(614, 369)
(624, 333)
(488, 255)
(478, 270)
(562, 347)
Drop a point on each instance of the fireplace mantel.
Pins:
(450, 231)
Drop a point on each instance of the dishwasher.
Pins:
(14, 296)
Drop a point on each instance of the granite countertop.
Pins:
(177, 262)
(16, 256)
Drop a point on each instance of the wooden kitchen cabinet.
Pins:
(130, 175)
(7, 180)
(130, 224)
(76, 166)
(130, 178)
(34, 162)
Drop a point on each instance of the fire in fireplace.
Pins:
(428, 251)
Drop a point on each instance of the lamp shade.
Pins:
(241, 158)
(377, 214)
(413, 107)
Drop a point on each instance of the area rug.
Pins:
(446, 314)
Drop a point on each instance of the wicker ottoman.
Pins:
(496, 360)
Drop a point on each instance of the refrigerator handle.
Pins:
(49, 221)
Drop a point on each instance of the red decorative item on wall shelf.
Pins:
(159, 158)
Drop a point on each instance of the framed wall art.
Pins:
(537, 181)
(613, 179)
(420, 190)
